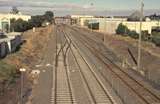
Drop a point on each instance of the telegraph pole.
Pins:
(140, 37)
(91, 18)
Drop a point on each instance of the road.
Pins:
(78, 69)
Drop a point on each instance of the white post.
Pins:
(140, 38)
(22, 78)
(22, 70)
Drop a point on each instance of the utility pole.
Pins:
(105, 27)
(91, 18)
(140, 37)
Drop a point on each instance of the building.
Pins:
(147, 25)
(109, 25)
(15, 16)
(79, 19)
(63, 20)
(4, 24)
(5, 20)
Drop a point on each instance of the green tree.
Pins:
(49, 16)
(122, 29)
(20, 25)
(36, 21)
(14, 10)
(12, 21)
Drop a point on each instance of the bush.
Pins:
(133, 34)
(122, 29)
(156, 39)
(94, 26)
(145, 36)
(7, 71)
(86, 22)
(20, 25)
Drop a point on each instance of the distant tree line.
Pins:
(35, 21)
(154, 17)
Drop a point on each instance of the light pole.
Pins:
(140, 37)
(22, 70)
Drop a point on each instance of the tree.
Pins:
(12, 21)
(49, 16)
(14, 10)
(122, 29)
(35, 21)
(20, 25)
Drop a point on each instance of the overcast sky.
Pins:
(63, 7)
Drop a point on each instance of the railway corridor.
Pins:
(86, 72)
(74, 80)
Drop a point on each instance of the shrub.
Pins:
(133, 34)
(94, 26)
(145, 36)
(86, 22)
(156, 39)
(7, 71)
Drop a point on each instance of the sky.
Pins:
(95, 7)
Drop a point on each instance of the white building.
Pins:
(4, 23)
(79, 19)
(5, 20)
(81, 16)
(15, 16)
(109, 25)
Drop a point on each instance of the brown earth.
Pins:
(150, 55)
(29, 53)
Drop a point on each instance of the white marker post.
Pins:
(22, 70)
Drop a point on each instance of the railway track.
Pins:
(95, 87)
(141, 94)
(62, 93)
